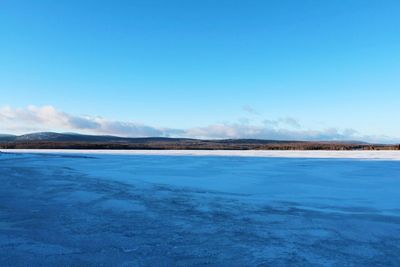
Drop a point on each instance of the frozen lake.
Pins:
(131, 209)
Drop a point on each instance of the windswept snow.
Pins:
(354, 154)
(267, 208)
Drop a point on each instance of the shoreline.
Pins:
(338, 154)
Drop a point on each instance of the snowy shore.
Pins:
(366, 154)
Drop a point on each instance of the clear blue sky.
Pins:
(184, 64)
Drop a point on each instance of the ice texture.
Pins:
(99, 209)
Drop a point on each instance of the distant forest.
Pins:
(196, 145)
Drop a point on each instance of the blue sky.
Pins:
(211, 69)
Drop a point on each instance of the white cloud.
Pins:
(48, 118)
(265, 132)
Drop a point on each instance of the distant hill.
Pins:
(74, 137)
(7, 137)
(51, 140)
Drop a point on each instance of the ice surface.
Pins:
(91, 209)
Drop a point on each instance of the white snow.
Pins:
(354, 154)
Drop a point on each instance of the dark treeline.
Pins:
(198, 145)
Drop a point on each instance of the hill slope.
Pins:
(50, 140)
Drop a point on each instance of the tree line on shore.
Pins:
(199, 145)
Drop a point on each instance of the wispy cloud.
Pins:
(249, 109)
(283, 122)
(48, 118)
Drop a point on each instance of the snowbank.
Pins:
(384, 155)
